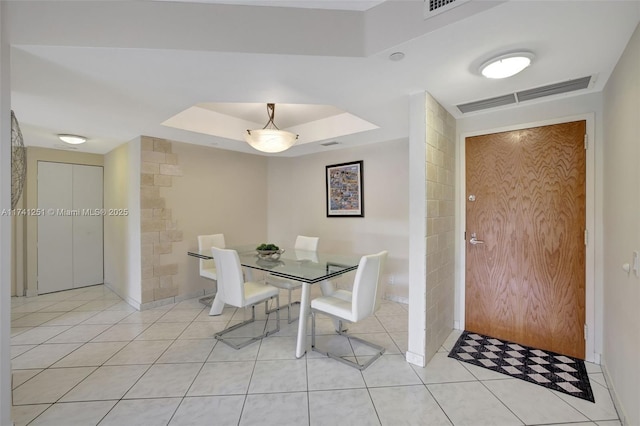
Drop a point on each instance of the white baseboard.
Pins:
(415, 359)
(399, 299)
(192, 295)
(157, 303)
(614, 395)
(170, 300)
(134, 303)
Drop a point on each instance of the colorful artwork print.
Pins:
(344, 190)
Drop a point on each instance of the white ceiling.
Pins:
(115, 70)
(359, 5)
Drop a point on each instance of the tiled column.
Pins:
(159, 167)
(440, 166)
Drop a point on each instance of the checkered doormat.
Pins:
(549, 369)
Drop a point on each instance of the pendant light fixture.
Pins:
(270, 138)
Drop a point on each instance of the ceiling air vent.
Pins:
(527, 95)
(67, 147)
(487, 103)
(554, 89)
(434, 7)
(330, 143)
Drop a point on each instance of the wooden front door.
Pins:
(526, 207)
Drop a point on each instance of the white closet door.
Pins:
(55, 233)
(87, 227)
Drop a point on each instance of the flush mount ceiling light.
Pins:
(504, 66)
(72, 139)
(270, 138)
(396, 56)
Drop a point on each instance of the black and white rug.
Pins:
(549, 369)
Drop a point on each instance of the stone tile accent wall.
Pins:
(158, 169)
(440, 167)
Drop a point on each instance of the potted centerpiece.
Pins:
(269, 251)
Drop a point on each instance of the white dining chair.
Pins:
(236, 292)
(208, 266)
(353, 306)
(306, 248)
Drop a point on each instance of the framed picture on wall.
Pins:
(345, 197)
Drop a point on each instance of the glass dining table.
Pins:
(306, 267)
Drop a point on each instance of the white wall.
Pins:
(219, 192)
(417, 344)
(5, 221)
(622, 231)
(297, 205)
(122, 256)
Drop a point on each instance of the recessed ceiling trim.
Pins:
(231, 122)
(331, 127)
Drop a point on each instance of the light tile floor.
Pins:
(85, 357)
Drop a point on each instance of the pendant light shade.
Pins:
(270, 138)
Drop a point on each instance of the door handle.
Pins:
(474, 240)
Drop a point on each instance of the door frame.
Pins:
(594, 331)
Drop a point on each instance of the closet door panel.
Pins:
(55, 233)
(87, 226)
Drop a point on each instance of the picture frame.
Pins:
(345, 186)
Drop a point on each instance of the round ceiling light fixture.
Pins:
(506, 65)
(396, 56)
(72, 139)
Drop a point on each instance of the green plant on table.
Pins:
(267, 247)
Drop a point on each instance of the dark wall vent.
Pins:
(437, 4)
(330, 143)
(434, 7)
(527, 95)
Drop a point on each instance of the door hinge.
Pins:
(586, 332)
(586, 237)
(586, 141)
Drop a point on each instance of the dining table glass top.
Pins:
(299, 265)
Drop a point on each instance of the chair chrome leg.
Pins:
(219, 335)
(379, 349)
(313, 330)
(288, 306)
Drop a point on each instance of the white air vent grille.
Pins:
(554, 89)
(527, 95)
(68, 147)
(434, 7)
(487, 103)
